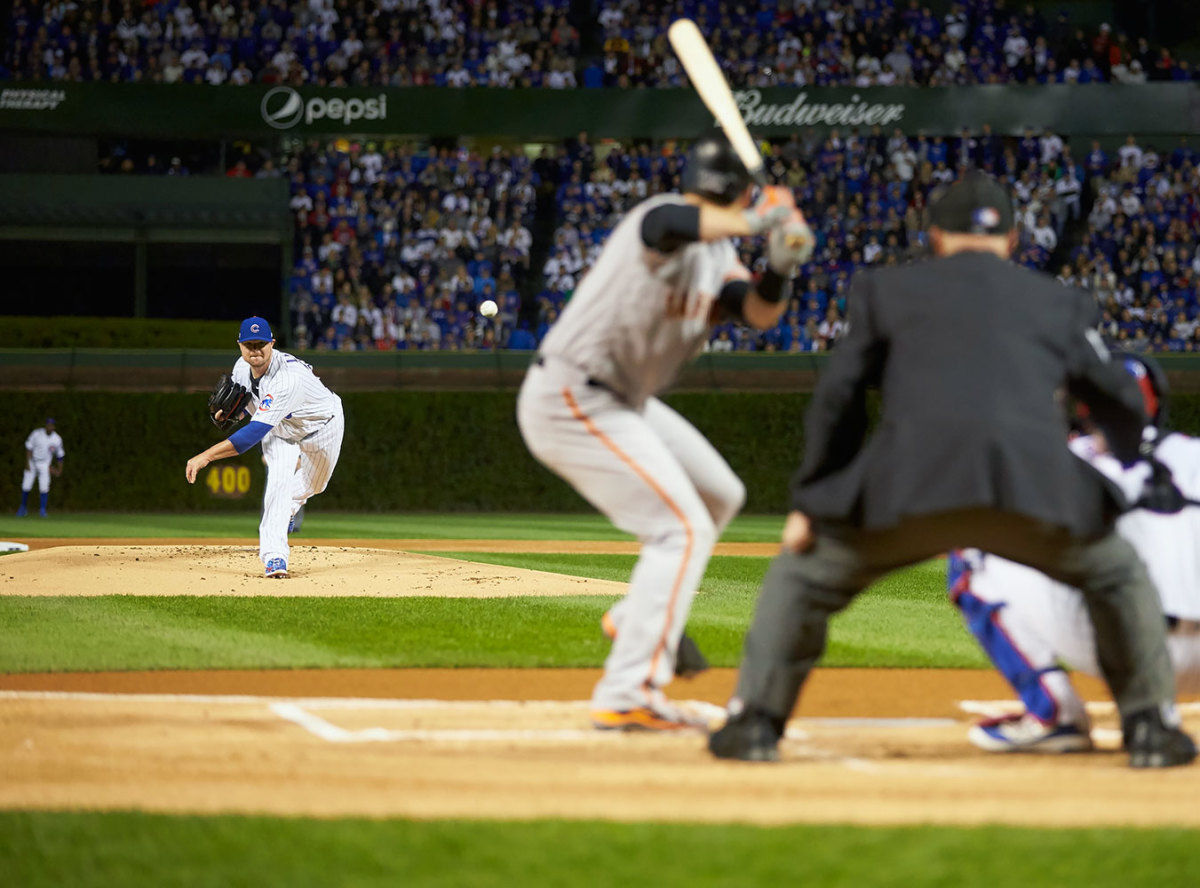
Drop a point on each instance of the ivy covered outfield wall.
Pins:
(419, 451)
(404, 451)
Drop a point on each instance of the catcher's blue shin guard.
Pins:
(981, 618)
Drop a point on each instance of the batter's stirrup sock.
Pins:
(24, 498)
(45, 498)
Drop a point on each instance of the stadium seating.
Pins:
(522, 43)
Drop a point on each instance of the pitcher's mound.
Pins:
(235, 570)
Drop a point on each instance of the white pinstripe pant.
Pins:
(296, 470)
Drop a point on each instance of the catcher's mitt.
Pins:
(229, 398)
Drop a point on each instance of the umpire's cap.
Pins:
(714, 171)
(975, 204)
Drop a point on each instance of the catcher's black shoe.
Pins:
(749, 736)
(1153, 743)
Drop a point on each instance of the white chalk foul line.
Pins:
(994, 708)
(323, 729)
(307, 702)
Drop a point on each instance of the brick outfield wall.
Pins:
(404, 451)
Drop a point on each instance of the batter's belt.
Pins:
(1177, 626)
(543, 360)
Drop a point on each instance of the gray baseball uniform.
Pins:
(588, 411)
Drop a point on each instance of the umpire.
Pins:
(972, 354)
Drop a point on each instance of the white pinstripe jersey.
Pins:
(44, 445)
(639, 316)
(289, 397)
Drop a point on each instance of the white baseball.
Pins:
(488, 308)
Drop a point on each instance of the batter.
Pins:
(588, 408)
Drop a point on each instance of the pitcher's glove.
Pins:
(229, 399)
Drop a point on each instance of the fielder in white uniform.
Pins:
(1031, 626)
(300, 424)
(587, 408)
(43, 457)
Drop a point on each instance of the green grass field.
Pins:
(903, 621)
(86, 851)
(440, 526)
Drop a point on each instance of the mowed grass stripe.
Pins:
(86, 850)
(904, 621)
(337, 525)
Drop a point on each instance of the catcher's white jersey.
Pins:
(639, 315)
(289, 396)
(45, 446)
(1046, 622)
(1168, 544)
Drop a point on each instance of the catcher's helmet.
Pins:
(1152, 382)
(714, 171)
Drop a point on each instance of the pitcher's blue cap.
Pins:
(255, 330)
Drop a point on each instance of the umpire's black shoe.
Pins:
(689, 662)
(749, 737)
(1152, 743)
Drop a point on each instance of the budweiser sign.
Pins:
(799, 112)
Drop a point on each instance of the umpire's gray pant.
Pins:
(802, 591)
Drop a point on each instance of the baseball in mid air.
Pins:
(488, 308)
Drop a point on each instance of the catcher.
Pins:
(297, 419)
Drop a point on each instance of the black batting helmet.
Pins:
(714, 171)
(1152, 382)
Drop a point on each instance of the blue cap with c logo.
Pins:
(255, 330)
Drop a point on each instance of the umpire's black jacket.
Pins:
(972, 354)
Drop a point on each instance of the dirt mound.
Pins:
(317, 571)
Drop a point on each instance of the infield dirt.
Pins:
(869, 746)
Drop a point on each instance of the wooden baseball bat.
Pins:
(702, 69)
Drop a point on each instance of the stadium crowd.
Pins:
(534, 43)
(396, 244)
(397, 247)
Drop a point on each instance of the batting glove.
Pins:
(790, 244)
(772, 209)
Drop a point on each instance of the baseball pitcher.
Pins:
(1031, 626)
(588, 408)
(43, 457)
(296, 418)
